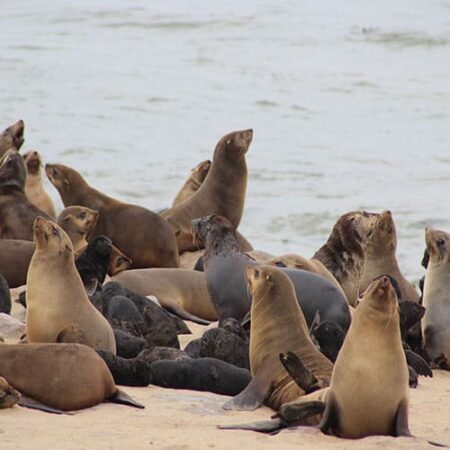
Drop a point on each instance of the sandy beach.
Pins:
(182, 419)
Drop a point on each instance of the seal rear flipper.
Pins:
(299, 372)
(293, 413)
(28, 402)
(254, 394)
(183, 314)
(123, 398)
(263, 426)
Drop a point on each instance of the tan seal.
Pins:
(145, 237)
(56, 298)
(34, 187)
(222, 192)
(380, 255)
(277, 326)
(12, 137)
(174, 289)
(62, 376)
(78, 222)
(436, 322)
(193, 183)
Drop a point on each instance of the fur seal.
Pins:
(17, 214)
(436, 299)
(142, 235)
(177, 290)
(222, 192)
(12, 137)
(225, 278)
(62, 376)
(277, 326)
(203, 374)
(344, 253)
(380, 256)
(193, 183)
(56, 299)
(34, 188)
(78, 222)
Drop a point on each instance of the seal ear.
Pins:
(268, 278)
(68, 217)
(66, 181)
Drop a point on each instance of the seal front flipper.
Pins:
(330, 419)
(72, 335)
(263, 426)
(418, 363)
(254, 394)
(123, 398)
(300, 373)
(28, 402)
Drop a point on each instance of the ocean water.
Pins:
(349, 103)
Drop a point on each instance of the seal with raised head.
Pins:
(79, 223)
(222, 192)
(12, 137)
(193, 183)
(380, 259)
(277, 326)
(436, 298)
(227, 286)
(62, 376)
(175, 289)
(57, 304)
(344, 253)
(141, 234)
(17, 214)
(34, 187)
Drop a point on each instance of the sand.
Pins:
(181, 419)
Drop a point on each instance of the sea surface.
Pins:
(349, 103)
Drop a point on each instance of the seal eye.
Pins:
(208, 227)
(440, 242)
(229, 142)
(82, 215)
(268, 278)
(55, 231)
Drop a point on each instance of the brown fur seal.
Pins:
(193, 183)
(277, 326)
(56, 299)
(344, 253)
(12, 137)
(15, 257)
(79, 223)
(380, 256)
(34, 188)
(174, 288)
(17, 214)
(62, 376)
(142, 235)
(222, 192)
(436, 298)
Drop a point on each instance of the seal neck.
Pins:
(221, 242)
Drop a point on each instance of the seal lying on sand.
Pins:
(57, 304)
(436, 298)
(61, 376)
(142, 235)
(222, 192)
(277, 326)
(12, 137)
(380, 256)
(17, 214)
(34, 188)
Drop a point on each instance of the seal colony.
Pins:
(333, 339)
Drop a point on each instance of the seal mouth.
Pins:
(244, 139)
(33, 161)
(16, 132)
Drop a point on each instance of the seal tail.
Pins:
(123, 398)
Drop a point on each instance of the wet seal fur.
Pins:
(58, 309)
(144, 236)
(222, 192)
(65, 377)
(277, 326)
(17, 214)
(34, 188)
(344, 253)
(12, 137)
(436, 300)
